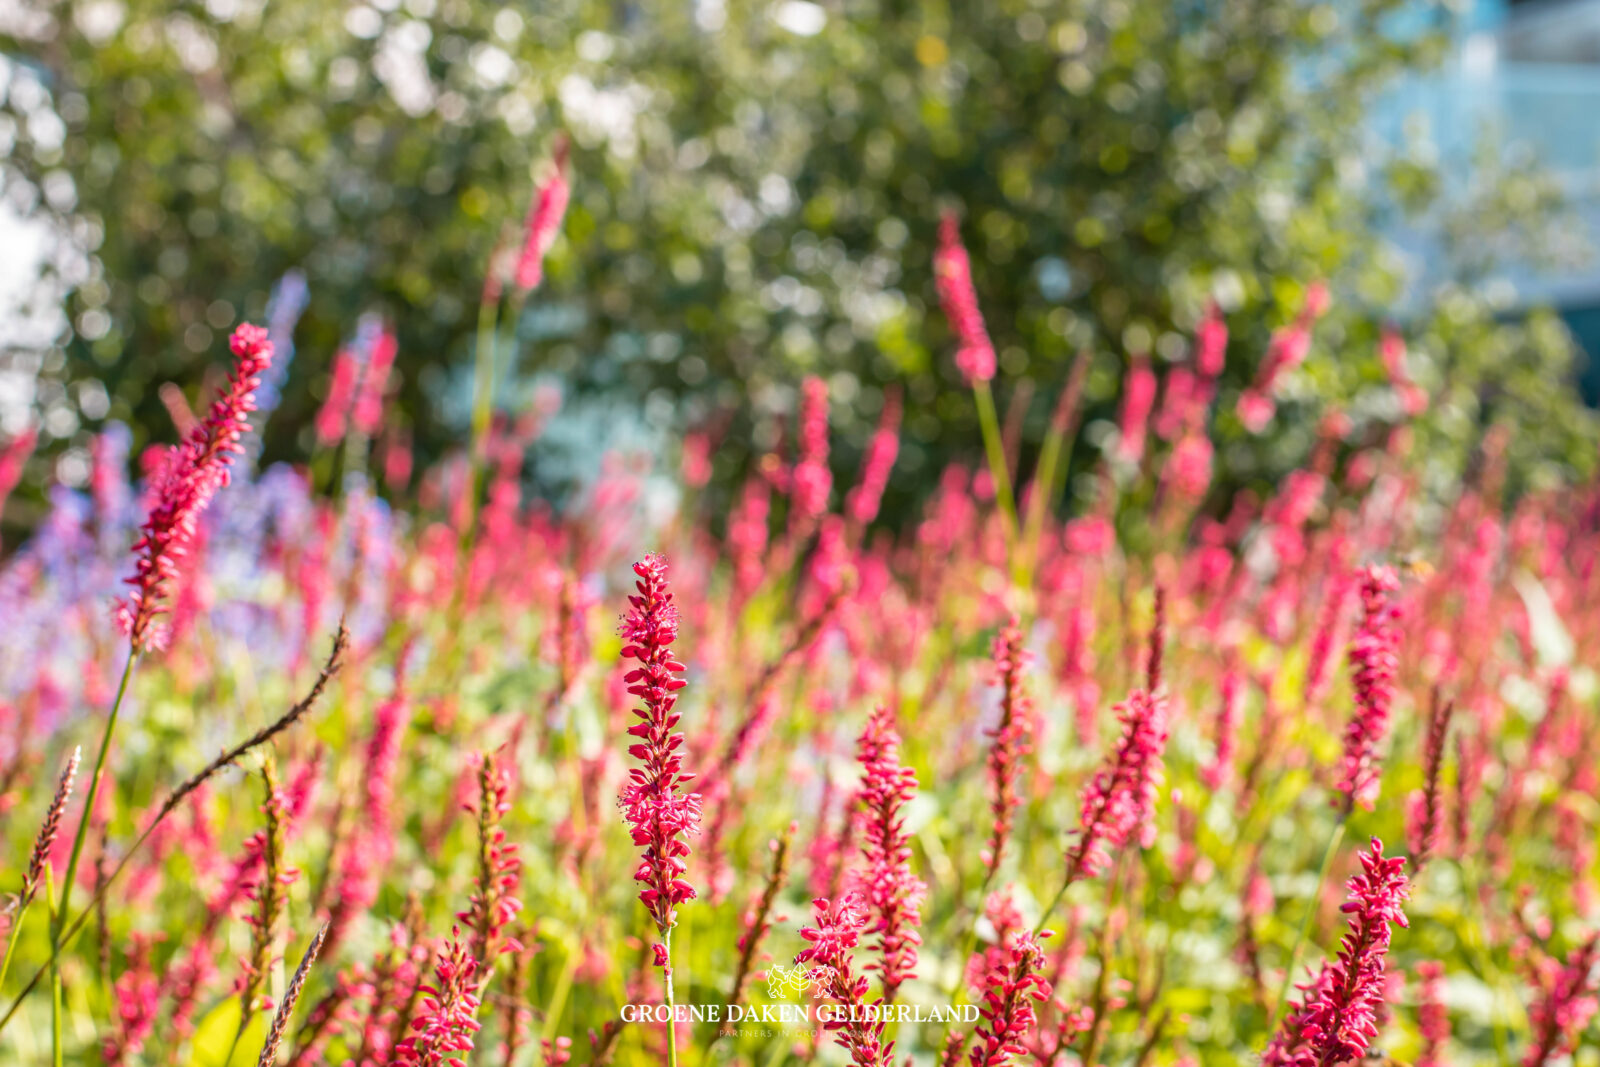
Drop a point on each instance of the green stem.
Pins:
(55, 975)
(1055, 901)
(482, 412)
(999, 470)
(1305, 924)
(1055, 459)
(58, 918)
(11, 943)
(483, 380)
(672, 1011)
(1039, 499)
(558, 998)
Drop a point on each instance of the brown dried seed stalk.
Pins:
(280, 1022)
(777, 875)
(269, 893)
(48, 829)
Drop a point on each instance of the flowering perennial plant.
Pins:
(892, 892)
(1566, 1003)
(1336, 1021)
(831, 952)
(1425, 809)
(661, 817)
(447, 1015)
(190, 475)
(1374, 660)
(952, 271)
(1118, 803)
(494, 902)
(544, 221)
(1009, 739)
(1010, 991)
(1433, 1018)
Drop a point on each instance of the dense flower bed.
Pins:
(1310, 782)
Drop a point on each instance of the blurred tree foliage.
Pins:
(756, 193)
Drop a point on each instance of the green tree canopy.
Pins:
(757, 189)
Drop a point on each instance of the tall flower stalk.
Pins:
(291, 996)
(191, 473)
(1374, 659)
(661, 816)
(1433, 1018)
(269, 896)
(1336, 1020)
(1009, 742)
(975, 359)
(1425, 814)
(494, 902)
(831, 950)
(43, 842)
(892, 891)
(1566, 1003)
(1118, 803)
(1011, 988)
(447, 1020)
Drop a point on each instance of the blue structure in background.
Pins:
(1526, 76)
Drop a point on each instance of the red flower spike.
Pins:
(661, 816)
(190, 475)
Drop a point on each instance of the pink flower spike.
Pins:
(446, 1023)
(332, 418)
(367, 414)
(1433, 1018)
(1337, 1017)
(831, 945)
(1374, 659)
(190, 475)
(1010, 740)
(1566, 1003)
(952, 275)
(1010, 990)
(1211, 342)
(544, 221)
(494, 904)
(861, 504)
(660, 815)
(891, 890)
(1118, 803)
(13, 457)
(812, 481)
(1425, 813)
(1138, 397)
